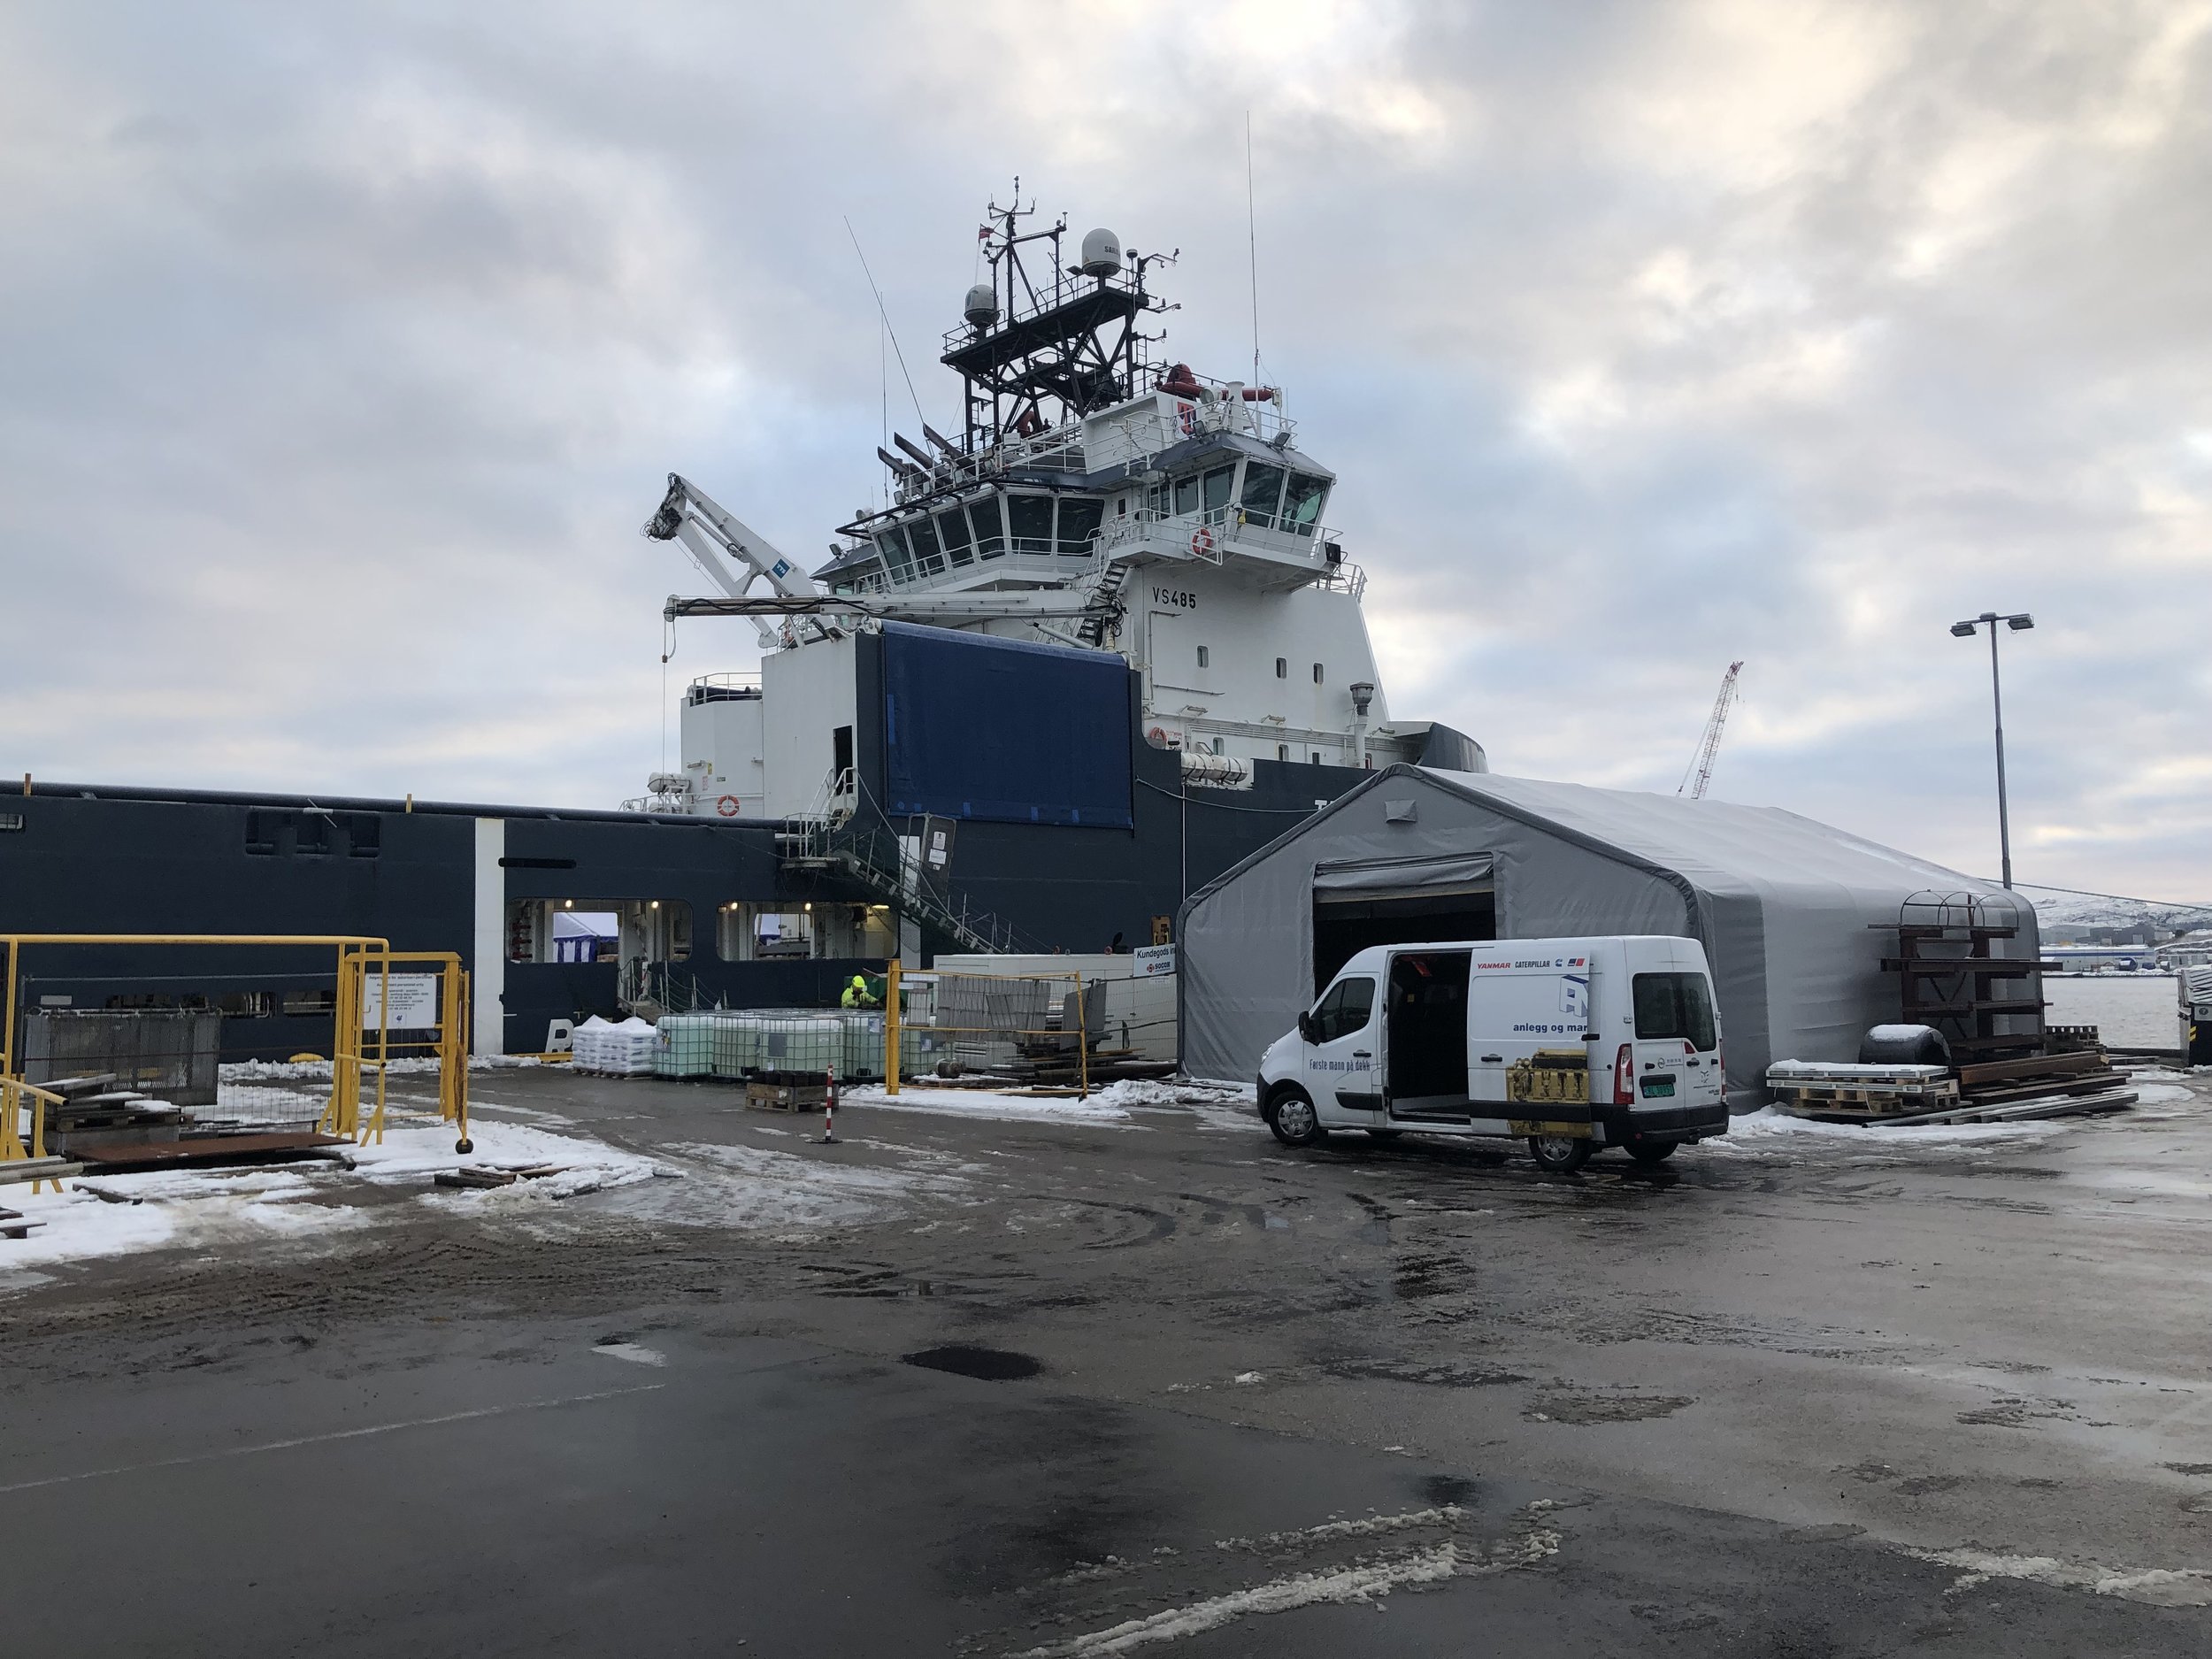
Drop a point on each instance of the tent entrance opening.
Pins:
(1345, 923)
(1426, 1039)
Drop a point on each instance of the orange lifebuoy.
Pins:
(1201, 542)
(727, 806)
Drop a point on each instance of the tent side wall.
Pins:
(1247, 941)
(1794, 914)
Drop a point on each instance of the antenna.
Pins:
(889, 332)
(1252, 246)
(1709, 745)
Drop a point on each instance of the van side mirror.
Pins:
(1308, 1027)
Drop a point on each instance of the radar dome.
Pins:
(1101, 254)
(982, 306)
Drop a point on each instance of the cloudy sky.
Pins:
(346, 347)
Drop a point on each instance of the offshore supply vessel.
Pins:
(1089, 653)
(1095, 500)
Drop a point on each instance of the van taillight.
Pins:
(1625, 1075)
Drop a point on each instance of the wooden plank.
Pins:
(2088, 1083)
(202, 1149)
(2040, 1065)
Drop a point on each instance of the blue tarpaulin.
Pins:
(977, 728)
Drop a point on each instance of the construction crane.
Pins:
(1709, 745)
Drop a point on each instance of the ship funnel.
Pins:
(982, 306)
(1101, 254)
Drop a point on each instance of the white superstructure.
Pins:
(1094, 499)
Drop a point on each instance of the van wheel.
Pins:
(1559, 1155)
(1291, 1115)
(1651, 1151)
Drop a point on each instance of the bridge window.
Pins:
(1217, 486)
(1186, 495)
(1030, 519)
(1262, 493)
(990, 527)
(892, 541)
(1302, 506)
(1079, 522)
(952, 530)
(927, 557)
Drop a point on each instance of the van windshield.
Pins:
(1675, 1005)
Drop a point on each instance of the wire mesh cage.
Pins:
(173, 1053)
(148, 1074)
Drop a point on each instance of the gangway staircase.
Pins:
(833, 839)
(1105, 593)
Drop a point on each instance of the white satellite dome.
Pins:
(1101, 254)
(982, 306)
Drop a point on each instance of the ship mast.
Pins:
(1039, 349)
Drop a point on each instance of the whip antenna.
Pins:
(890, 333)
(1252, 245)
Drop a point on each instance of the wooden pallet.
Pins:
(1902, 1097)
(786, 1097)
(1981, 1112)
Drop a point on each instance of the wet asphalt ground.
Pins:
(1802, 1395)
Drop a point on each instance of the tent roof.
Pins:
(1719, 845)
(1714, 846)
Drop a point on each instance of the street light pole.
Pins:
(2019, 622)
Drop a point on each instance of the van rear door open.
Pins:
(1524, 1012)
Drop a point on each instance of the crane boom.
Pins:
(1709, 745)
(715, 539)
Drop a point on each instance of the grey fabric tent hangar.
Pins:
(1788, 910)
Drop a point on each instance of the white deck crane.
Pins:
(1709, 745)
(715, 540)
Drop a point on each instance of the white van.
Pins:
(1573, 1044)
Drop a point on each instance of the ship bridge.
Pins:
(1192, 476)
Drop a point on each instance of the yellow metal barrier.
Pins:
(14, 1097)
(360, 1048)
(359, 955)
(892, 1011)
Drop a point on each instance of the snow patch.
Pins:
(1366, 1527)
(758, 1186)
(2159, 1587)
(988, 1103)
(1361, 1583)
(1767, 1130)
(212, 1209)
(631, 1351)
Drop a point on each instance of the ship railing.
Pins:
(831, 833)
(1058, 451)
(1303, 544)
(1227, 410)
(730, 687)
